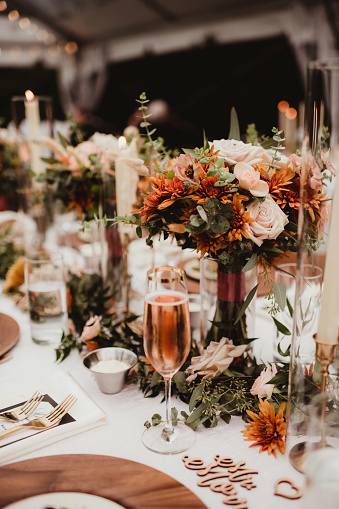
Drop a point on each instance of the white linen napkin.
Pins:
(85, 414)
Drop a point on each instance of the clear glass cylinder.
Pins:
(319, 162)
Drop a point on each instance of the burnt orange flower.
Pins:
(267, 430)
(207, 190)
(164, 193)
(81, 200)
(15, 275)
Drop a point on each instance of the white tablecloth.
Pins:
(126, 413)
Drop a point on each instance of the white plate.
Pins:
(192, 269)
(64, 500)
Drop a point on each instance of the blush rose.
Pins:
(260, 387)
(234, 151)
(269, 222)
(249, 179)
(215, 359)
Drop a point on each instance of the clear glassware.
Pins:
(167, 340)
(322, 451)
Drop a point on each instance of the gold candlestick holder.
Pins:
(325, 354)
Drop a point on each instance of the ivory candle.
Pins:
(33, 123)
(328, 318)
(126, 179)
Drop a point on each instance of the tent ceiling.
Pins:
(87, 21)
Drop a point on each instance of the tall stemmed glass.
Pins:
(167, 339)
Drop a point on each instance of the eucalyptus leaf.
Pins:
(251, 263)
(247, 302)
(196, 396)
(202, 213)
(281, 328)
(219, 225)
(279, 290)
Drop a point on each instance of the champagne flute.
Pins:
(167, 339)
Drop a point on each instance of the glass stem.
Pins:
(168, 425)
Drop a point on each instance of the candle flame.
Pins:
(283, 106)
(122, 142)
(29, 95)
(291, 113)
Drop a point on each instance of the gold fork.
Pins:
(21, 413)
(47, 421)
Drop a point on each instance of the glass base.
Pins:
(157, 440)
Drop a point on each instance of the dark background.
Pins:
(200, 87)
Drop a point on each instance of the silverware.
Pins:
(48, 421)
(21, 413)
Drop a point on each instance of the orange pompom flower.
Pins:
(267, 430)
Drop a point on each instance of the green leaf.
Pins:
(174, 416)
(279, 290)
(281, 328)
(180, 381)
(202, 213)
(156, 379)
(156, 419)
(287, 353)
(197, 412)
(139, 231)
(220, 224)
(196, 396)
(251, 263)
(247, 302)
(170, 175)
(63, 141)
(289, 306)
(192, 152)
(234, 133)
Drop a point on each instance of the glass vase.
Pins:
(320, 150)
(223, 293)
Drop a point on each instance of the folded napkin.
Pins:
(85, 414)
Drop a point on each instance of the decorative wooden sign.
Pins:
(296, 491)
(235, 472)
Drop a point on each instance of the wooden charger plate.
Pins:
(130, 484)
(9, 333)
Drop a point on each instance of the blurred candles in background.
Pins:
(287, 122)
(33, 125)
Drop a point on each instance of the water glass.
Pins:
(46, 296)
(306, 309)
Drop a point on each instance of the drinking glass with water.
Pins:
(46, 296)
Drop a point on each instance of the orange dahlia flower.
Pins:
(267, 430)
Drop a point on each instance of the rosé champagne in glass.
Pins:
(167, 340)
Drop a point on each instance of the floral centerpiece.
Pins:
(238, 203)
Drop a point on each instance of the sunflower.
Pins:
(267, 430)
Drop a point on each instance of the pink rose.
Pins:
(249, 179)
(234, 151)
(325, 214)
(186, 168)
(215, 359)
(91, 329)
(269, 222)
(260, 387)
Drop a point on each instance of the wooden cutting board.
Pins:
(131, 484)
(9, 333)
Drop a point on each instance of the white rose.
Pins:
(269, 222)
(234, 151)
